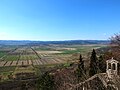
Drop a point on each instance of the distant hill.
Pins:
(69, 42)
(14, 42)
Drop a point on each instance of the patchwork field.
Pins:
(23, 59)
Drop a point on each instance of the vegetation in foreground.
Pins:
(79, 72)
(58, 76)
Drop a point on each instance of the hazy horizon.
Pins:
(59, 20)
(56, 40)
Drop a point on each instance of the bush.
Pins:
(45, 82)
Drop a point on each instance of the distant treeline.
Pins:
(69, 42)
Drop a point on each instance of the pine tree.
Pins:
(81, 63)
(93, 64)
(80, 69)
(101, 64)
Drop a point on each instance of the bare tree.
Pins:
(115, 46)
(115, 40)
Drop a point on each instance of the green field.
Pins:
(28, 59)
(83, 49)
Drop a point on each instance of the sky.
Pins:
(54, 20)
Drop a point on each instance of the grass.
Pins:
(33, 57)
(83, 49)
(7, 69)
(12, 58)
(43, 49)
(24, 69)
(23, 57)
(2, 53)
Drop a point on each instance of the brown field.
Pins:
(26, 59)
(48, 52)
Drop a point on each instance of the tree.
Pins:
(80, 70)
(101, 64)
(115, 40)
(81, 63)
(45, 82)
(115, 46)
(93, 64)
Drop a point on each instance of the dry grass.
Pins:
(48, 52)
